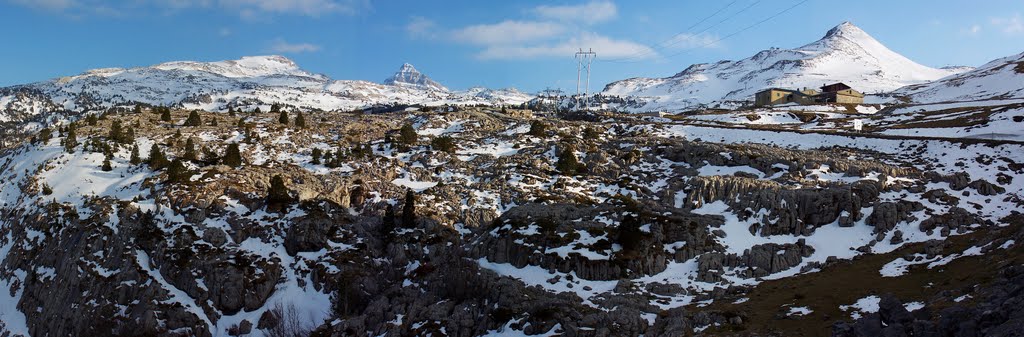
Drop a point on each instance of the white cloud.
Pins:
(691, 41)
(284, 47)
(508, 32)
(604, 46)
(589, 13)
(50, 5)
(225, 32)
(243, 8)
(973, 30)
(1011, 25)
(312, 8)
(421, 27)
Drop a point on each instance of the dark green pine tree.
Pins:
(538, 129)
(157, 160)
(190, 150)
(232, 156)
(275, 107)
(278, 193)
(176, 172)
(137, 109)
(106, 163)
(316, 156)
(129, 135)
(567, 162)
(231, 111)
(283, 118)
(409, 210)
(117, 132)
(630, 235)
(165, 114)
(257, 111)
(388, 222)
(193, 119)
(135, 158)
(407, 135)
(71, 139)
(300, 120)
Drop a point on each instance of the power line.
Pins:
(674, 41)
(784, 11)
(634, 54)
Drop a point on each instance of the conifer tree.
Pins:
(232, 156)
(190, 150)
(129, 135)
(388, 222)
(176, 172)
(106, 164)
(193, 119)
(409, 210)
(300, 120)
(538, 129)
(278, 192)
(117, 132)
(137, 109)
(157, 160)
(275, 107)
(71, 139)
(231, 111)
(165, 114)
(135, 158)
(257, 111)
(407, 135)
(629, 233)
(316, 156)
(567, 162)
(283, 118)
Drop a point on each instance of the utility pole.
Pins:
(581, 58)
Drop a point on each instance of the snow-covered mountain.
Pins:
(408, 76)
(246, 83)
(846, 54)
(1000, 79)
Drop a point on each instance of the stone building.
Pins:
(838, 93)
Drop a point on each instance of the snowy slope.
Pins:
(846, 54)
(246, 83)
(1000, 79)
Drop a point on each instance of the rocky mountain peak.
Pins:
(407, 75)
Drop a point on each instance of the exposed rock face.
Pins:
(759, 261)
(494, 238)
(999, 313)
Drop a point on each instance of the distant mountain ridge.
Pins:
(409, 76)
(845, 54)
(246, 83)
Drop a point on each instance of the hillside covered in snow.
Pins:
(845, 54)
(997, 80)
(242, 84)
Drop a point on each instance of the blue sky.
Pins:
(461, 43)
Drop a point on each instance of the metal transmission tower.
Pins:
(588, 58)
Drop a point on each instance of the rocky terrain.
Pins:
(466, 221)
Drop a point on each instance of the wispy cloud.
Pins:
(1012, 25)
(508, 32)
(589, 13)
(691, 41)
(242, 8)
(421, 27)
(49, 5)
(284, 47)
(547, 31)
(973, 30)
(606, 47)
